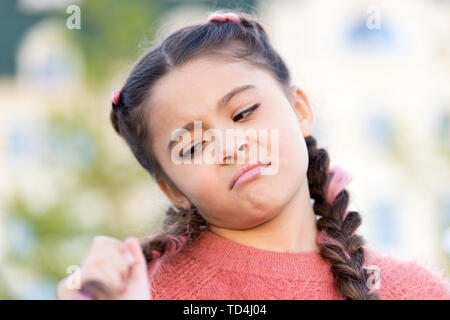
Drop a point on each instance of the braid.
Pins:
(179, 228)
(115, 117)
(337, 242)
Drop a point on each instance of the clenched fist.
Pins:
(116, 265)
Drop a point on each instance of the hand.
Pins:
(119, 266)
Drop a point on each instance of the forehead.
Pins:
(203, 81)
(192, 89)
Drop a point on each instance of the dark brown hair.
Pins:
(247, 41)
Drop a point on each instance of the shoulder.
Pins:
(407, 279)
(179, 276)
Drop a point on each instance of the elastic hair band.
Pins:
(215, 16)
(115, 96)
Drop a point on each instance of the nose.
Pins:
(236, 152)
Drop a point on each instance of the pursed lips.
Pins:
(243, 169)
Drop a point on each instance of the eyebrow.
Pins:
(220, 104)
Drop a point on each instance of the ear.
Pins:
(303, 110)
(174, 195)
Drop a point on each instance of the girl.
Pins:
(234, 233)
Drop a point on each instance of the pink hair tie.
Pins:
(115, 95)
(323, 237)
(337, 182)
(224, 17)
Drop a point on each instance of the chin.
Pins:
(260, 197)
(255, 221)
(262, 211)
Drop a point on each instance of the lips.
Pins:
(243, 169)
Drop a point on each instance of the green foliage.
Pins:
(112, 31)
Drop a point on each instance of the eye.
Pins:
(245, 113)
(192, 150)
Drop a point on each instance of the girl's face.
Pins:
(191, 92)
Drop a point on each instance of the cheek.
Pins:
(199, 182)
(290, 147)
(293, 151)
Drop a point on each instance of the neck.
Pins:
(292, 230)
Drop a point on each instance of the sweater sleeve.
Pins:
(413, 279)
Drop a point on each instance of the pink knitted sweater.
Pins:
(214, 267)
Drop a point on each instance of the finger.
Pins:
(112, 250)
(105, 241)
(104, 276)
(109, 266)
(138, 270)
(102, 242)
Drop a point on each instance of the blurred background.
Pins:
(377, 74)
